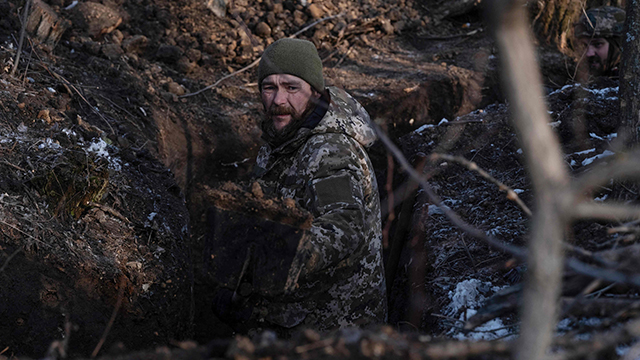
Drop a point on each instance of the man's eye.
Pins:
(293, 88)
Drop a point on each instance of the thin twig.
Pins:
(24, 233)
(516, 251)
(68, 85)
(511, 195)
(13, 166)
(25, 17)
(112, 319)
(313, 346)
(470, 33)
(391, 214)
(255, 62)
(451, 215)
(6, 262)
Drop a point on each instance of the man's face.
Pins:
(596, 51)
(286, 99)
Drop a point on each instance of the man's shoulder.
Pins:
(328, 144)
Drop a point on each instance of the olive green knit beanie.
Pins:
(294, 57)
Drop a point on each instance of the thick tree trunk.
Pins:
(548, 173)
(554, 19)
(630, 74)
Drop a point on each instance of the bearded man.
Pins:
(315, 154)
(598, 34)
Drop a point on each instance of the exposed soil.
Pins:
(108, 169)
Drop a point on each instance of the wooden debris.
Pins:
(45, 25)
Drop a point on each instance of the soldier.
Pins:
(598, 34)
(315, 154)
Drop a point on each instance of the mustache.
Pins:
(280, 110)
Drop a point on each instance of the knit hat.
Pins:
(294, 57)
(605, 22)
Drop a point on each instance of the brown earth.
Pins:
(87, 234)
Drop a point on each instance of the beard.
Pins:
(277, 137)
(596, 65)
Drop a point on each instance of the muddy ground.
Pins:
(106, 162)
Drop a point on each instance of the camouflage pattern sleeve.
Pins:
(334, 178)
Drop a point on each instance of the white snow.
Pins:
(49, 143)
(584, 152)
(466, 295)
(424, 127)
(491, 330)
(588, 161)
(564, 88)
(99, 147)
(601, 198)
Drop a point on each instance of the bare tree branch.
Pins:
(450, 214)
(606, 211)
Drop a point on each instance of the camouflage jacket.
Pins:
(327, 171)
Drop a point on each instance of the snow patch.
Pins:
(49, 144)
(100, 148)
(424, 127)
(590, 160)
(466, 295)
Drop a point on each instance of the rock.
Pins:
(278, 8)
(299, 18)
(218, 7)
(215, 49)
(399, 26)
(338, 27)
(175, 88)
(194, 55)
(135, 44)
(315, 11)
(263, 30)
(117, 36)
(185, 66)
(186, 41)
(96, 19)
(271, 19)
(112, 51)
(387, 27)
(169, 53)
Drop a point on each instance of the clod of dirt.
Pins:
(96, 19)
(232, 196)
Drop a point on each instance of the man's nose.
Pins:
(591, 51)
(280, 97)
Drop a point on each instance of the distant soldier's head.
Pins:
(290, 82)
(598, 35)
